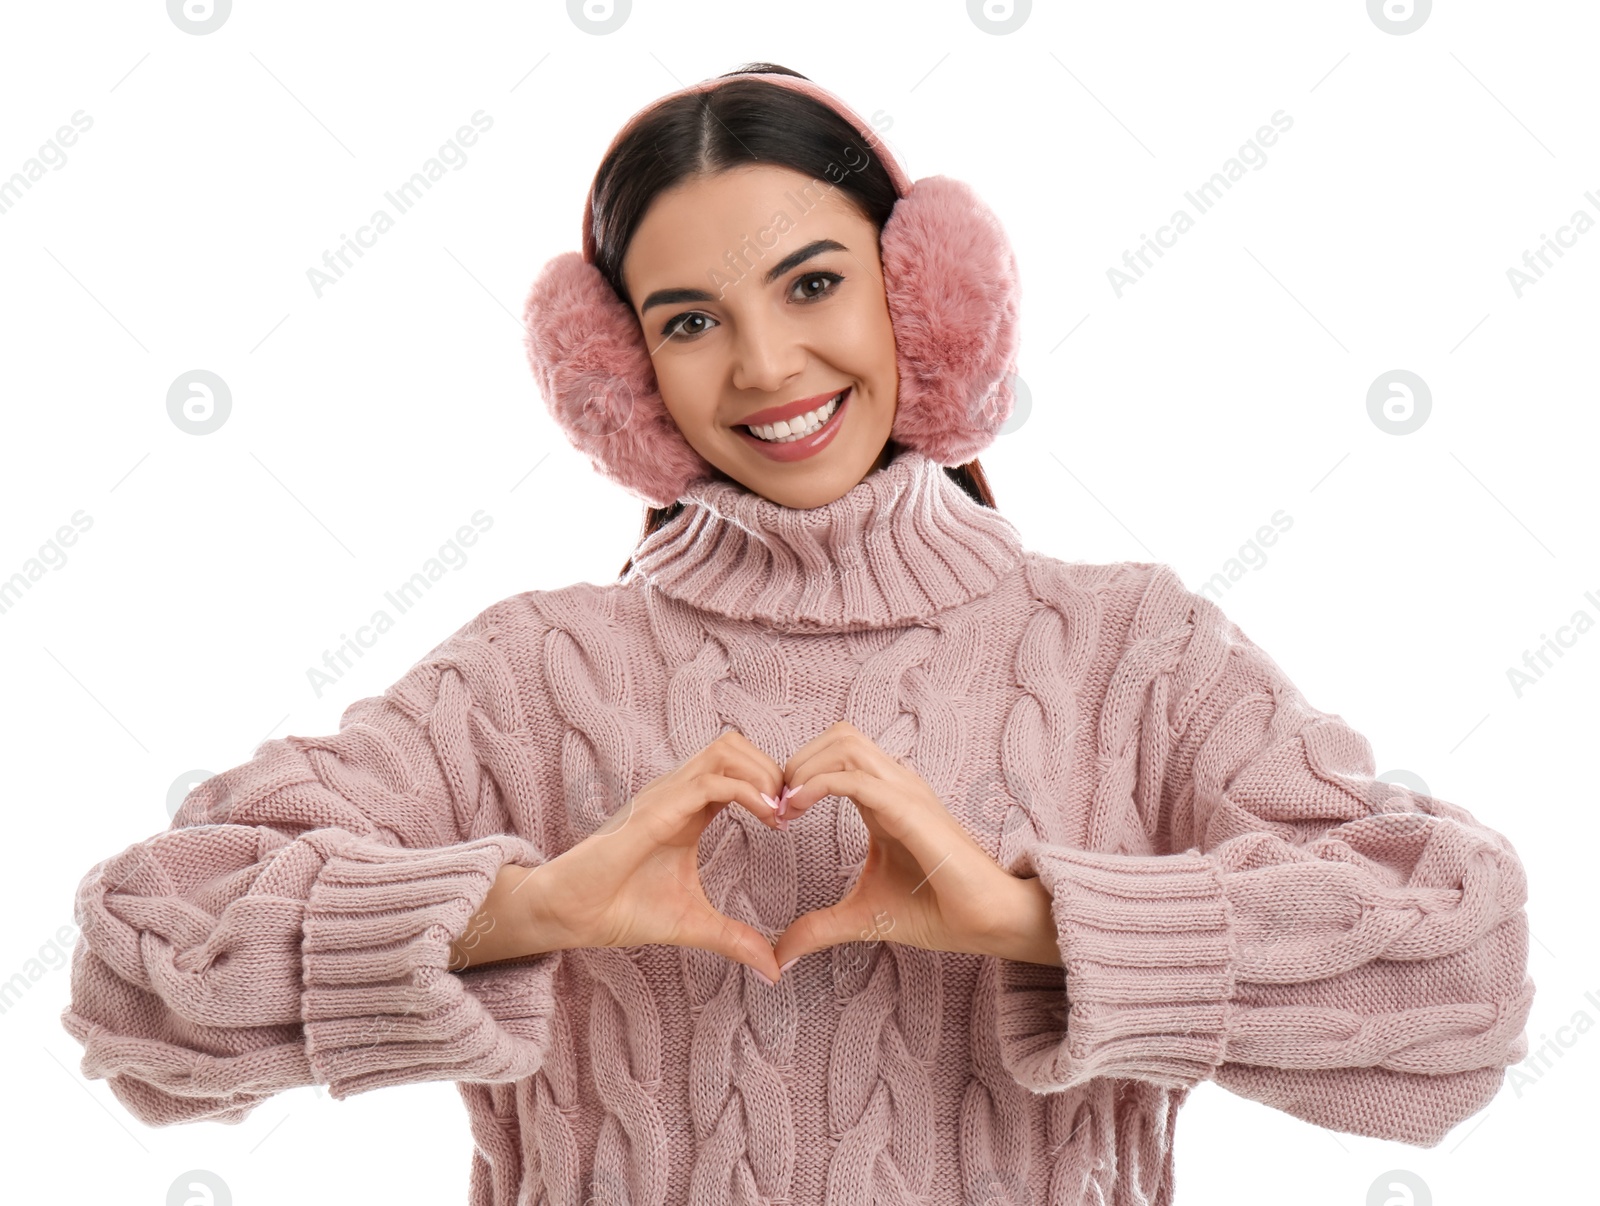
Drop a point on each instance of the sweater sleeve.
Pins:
(292, 926)
(1274, 918)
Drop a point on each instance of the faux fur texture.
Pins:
(593, 368)
(951, 282)
(950, 279)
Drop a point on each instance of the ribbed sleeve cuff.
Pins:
(1146, 946)
(379, 1004)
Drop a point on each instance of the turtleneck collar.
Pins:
(903, 544)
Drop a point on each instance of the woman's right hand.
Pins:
(635, 880)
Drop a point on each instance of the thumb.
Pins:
(818, 930)
(737, 941)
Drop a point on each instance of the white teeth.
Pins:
(801, 425)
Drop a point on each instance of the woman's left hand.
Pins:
(925, 882)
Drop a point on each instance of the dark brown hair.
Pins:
(740, 122)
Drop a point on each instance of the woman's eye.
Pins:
(678, 326)
(831, 279)
(692, 324)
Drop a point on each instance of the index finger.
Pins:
(744, 745)
(821, 741)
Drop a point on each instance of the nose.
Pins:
(766, 353)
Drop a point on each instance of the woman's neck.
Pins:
(904, 544)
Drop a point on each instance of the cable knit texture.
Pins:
(1236, 897)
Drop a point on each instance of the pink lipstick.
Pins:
(807, 445)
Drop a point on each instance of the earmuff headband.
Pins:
(902, 182)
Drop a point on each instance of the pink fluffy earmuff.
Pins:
(950, 280)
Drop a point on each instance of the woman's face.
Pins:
(751, 303)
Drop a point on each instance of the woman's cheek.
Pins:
(860, 340)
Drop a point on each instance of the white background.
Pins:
(1166, 425)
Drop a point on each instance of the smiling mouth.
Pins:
(801, 425)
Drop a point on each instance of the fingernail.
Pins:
(767, 978)
(771, 803)
(789, 964)
(783, 824)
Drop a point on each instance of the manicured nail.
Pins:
(767, 978)
(789, 964)
(771, 803)
(783, 824)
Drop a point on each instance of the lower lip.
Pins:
(798, 450)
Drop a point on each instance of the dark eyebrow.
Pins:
(671, 297)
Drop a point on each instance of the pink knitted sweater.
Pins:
(1236, 897)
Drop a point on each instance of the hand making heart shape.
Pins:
(635, 879)
(925, 880)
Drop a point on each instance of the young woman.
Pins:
(842, 851)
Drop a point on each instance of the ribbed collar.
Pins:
(903, 544)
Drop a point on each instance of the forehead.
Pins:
(691, 227)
